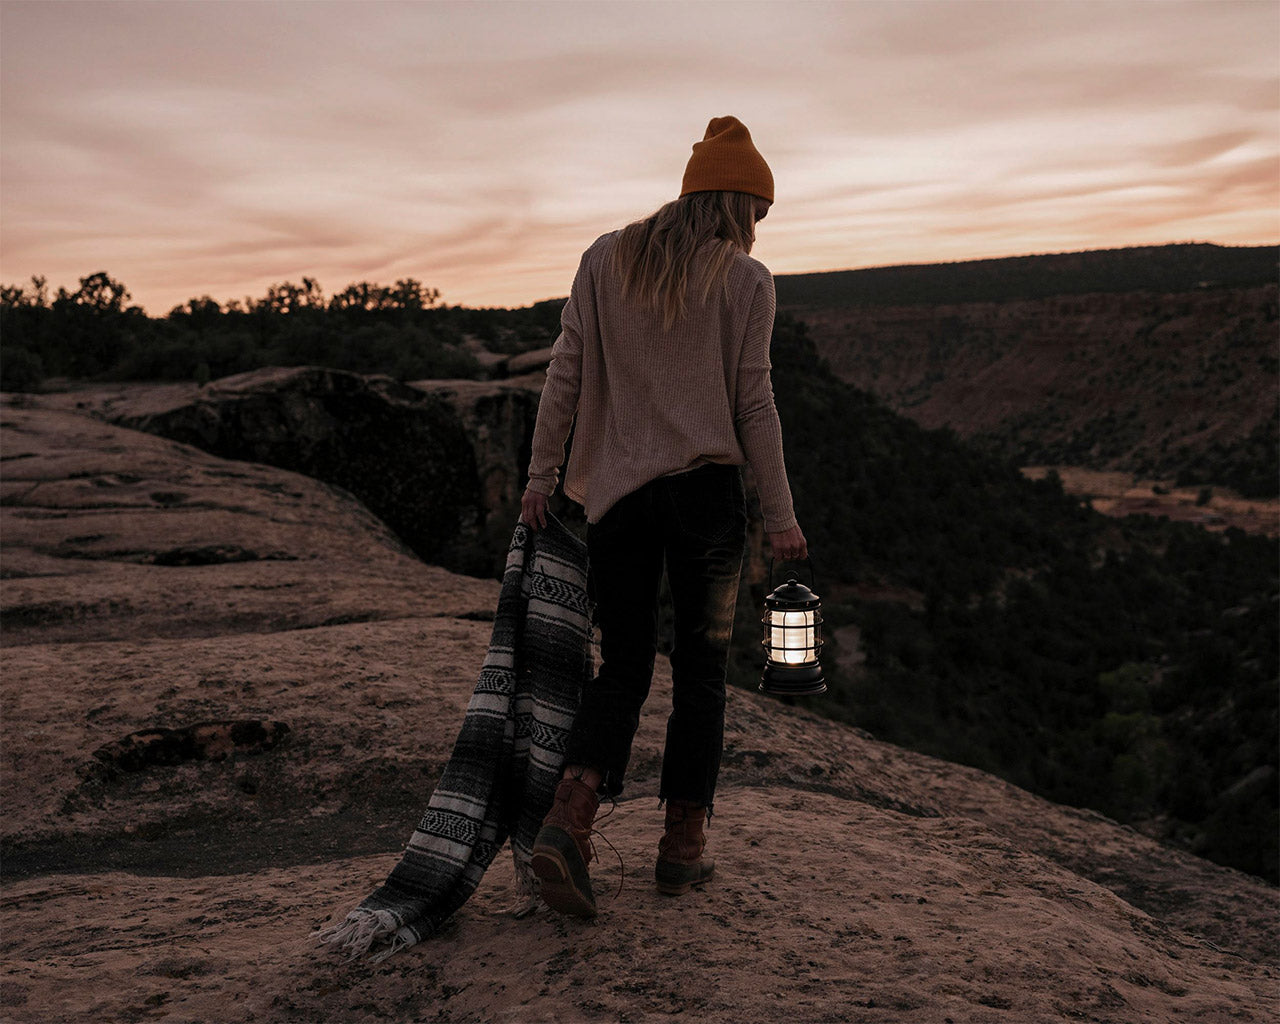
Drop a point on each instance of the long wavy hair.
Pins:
(655, 256)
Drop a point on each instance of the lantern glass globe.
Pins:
(791, 639)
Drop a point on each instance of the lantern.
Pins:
(792, 639)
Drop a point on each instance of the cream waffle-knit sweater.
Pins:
(651, 402)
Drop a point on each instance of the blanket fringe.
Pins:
(526, 901)
(526, 880)
(398, 942)
(357, 934)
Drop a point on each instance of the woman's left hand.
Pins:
(789, 545)
(533, 510)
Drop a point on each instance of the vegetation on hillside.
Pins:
(1161, 268)
(1167, 384)
(1129, 666)
(1249, 465)
(93, 333)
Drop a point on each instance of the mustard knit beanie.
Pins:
(726, 160)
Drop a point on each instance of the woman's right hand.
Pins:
(533, 510)
(789, 545)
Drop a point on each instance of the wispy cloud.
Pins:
(217, 148)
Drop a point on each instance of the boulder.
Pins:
(403, 452)
(441, 462)
(499, 417)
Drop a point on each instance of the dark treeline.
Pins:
(1162, 268)
(401, 330)
(1127, 665)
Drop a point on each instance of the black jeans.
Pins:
(696, 522)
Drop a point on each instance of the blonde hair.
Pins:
(655, 256)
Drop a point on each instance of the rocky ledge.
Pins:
(152, 589)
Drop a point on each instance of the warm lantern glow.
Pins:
(791, 639)
(792, 624)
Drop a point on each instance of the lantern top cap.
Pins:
(794, 594)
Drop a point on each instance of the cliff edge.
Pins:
(150, 585)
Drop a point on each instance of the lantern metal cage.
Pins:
(792, 625)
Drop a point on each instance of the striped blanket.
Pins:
(500, 779)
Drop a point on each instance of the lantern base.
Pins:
(793, 682)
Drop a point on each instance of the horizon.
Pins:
(444, 299)
(480, 147)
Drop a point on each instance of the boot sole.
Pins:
(556, 875)
(674, 888)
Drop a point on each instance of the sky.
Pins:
(216, 147)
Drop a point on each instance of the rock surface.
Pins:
(403, 452)
(498, 417)
(148, 584)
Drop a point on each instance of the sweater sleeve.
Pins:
(756, 417)
(560, 393)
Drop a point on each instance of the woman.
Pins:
(663, 358)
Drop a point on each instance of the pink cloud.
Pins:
(192, 148)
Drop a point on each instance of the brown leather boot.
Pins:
(563, 848)
(680, 863)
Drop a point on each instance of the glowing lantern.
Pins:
(792, 638)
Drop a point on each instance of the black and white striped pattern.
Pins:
(500, 779)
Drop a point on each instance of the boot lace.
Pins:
(593, 831)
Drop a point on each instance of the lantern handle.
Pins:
(813, 582)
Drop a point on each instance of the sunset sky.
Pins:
(217, 147)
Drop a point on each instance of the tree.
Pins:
(364, 297)
(100, 294)
(409, 295)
